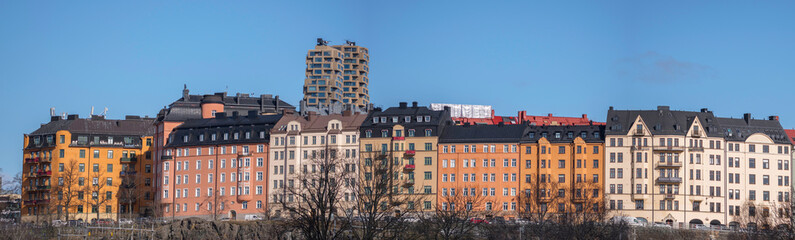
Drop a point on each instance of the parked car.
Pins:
(632, 221)
(478, 220)
(125, 221)
(700, 227)
(661, 225)
(411, 219)
(58, 223)
(224, 219)
(252, 217)
(521, 221)
(75, 223)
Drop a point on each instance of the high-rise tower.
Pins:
(337, 75)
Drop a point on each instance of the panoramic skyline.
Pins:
(560, 59)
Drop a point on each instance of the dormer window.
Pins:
(375, 119)
(583, 135)
(570, 134)
(212, 137)
(596, 134)
(427, 118)
(185, 138)
(407, 119)
(236, 136)
(248, 135)
(531, 135)
(384, 133)
(261, 134)
(419, 118)
(368, 134)
(557, 134)
(544, 135)
(226, 136)
(383, 119)
(398, 133)
(410, 132)
(427, 132)
(201, 137)
(395, 119)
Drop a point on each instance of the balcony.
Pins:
(668, 148)
(43, 202)
(381, 156)
(408, 167)
(244, 198)
(45, 173)
(33, 174)
(244, 154)
(30, 202)
(409, 182)
(638, 148)
(409, 153)
(669, 196)
(669, 164)
(669, 180)
(43, 187)
(696, 133)
(165, 157)
(695, 149)
(398, 138)
(127, 173)
(32, 160)
(638, 132)
(47, 159)
(638, 196)
(128, 159)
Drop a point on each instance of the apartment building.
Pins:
(791, 137)
(408, 136)
(300, 145)
(562, 169)
(337, 74)
(684, 168)
(217, 168)
(88, 168)
(758, 166)
(191, 107)
(480, 164)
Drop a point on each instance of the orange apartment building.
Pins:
(562, 168)
(88, 168)
(479, 167)
(216, 168)
(190, 107)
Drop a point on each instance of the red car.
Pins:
(478, 220)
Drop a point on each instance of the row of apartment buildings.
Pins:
(217, 156)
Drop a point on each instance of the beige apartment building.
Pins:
(299, 145)
(337, 74)
(683, 168)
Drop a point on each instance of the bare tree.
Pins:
(314, 201)
(214, 201)
(65, 191)
(453, 217)
(131, 191)
(385, 197)
(97, 188)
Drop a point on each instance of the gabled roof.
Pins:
(662, 121)
(319, 123)
(790, 135)
(483, 134)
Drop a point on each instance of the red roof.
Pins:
(532, 120)
(791, 135)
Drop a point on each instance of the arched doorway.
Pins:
(669, 222)
(232, 215)
(734, 226)
(695, 222)
(714, 223)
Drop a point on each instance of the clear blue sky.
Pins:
(569, 59)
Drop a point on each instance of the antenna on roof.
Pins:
(321, 42)
(63, 115)
(105, 112)
(52, 112)
(92, 111)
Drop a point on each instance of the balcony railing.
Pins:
(670, 164)
(127, 173)
(45, 173)
(409, 182)
(128, 159)
(32, 160)
(669, 196)
(638, 148)
(409, 167)
(409, 153)
(669, 180)
(668, 148)
(695, 149)
(43, 187)
(639, 132)
(696, 133)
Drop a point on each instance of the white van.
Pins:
(632, 221)
(252, 217)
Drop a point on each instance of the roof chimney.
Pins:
(704, 110)
(55, 118)
(501, 124)
(72, 117)
(549, 115)
(252, 114)
(773, 118)
(185, 92)
(611, 108)
(220, 115)
(414, 104)
(663, 108)
(584, 116)
(747, 118)
(403, 105)
(347, 113)
(276, 99)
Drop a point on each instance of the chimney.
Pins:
(549, 115)
(131, 117)
(663, 108)
(276, 104)
(347, 113)
(584, 116)
(237, 98)
(773, 118)
(403, 105)
(252, 114)
(522, 115)
(501, 124)
(55, 118)
(747, 118)
(72, 117)
(704, 110)
(185, 93)
(610, 109)
(220, 115)
(220, 94)
(310, 115)
(414, 104)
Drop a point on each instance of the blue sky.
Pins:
(562, 58)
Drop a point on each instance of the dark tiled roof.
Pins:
(439, 119)
(253, 124)
(135, 127)
(592, 133)
(739, 129)
(189, 106)
(483, 134)
(662, 121)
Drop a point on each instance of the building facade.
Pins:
(407, 137)
(301, 144)
(88, 168)
(479, 167)
(683, 168)
(562, 169)
(192, 107)
(337, 74)
(216, 168)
